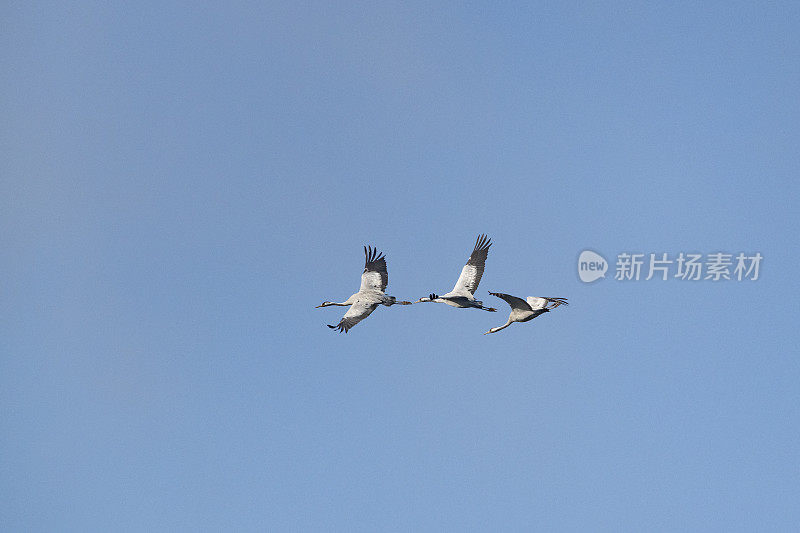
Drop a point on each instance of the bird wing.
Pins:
(514, 302)
(375, 276)
(541, 302)
(360, 310)
(536, 303)
(471, 273)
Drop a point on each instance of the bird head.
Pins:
(323, 304)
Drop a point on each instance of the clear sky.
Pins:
(181, 184)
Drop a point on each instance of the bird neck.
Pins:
(502, 327)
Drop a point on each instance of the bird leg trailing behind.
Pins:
(479, 305)
(554, 302)
(392, 300)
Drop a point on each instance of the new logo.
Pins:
(591, 266)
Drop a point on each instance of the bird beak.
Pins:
(487, 332)
(317, 307)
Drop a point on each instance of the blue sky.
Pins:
(182, 184)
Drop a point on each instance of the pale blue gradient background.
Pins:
(180, 185)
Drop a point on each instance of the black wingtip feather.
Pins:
(372, 256)
(483, 242)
